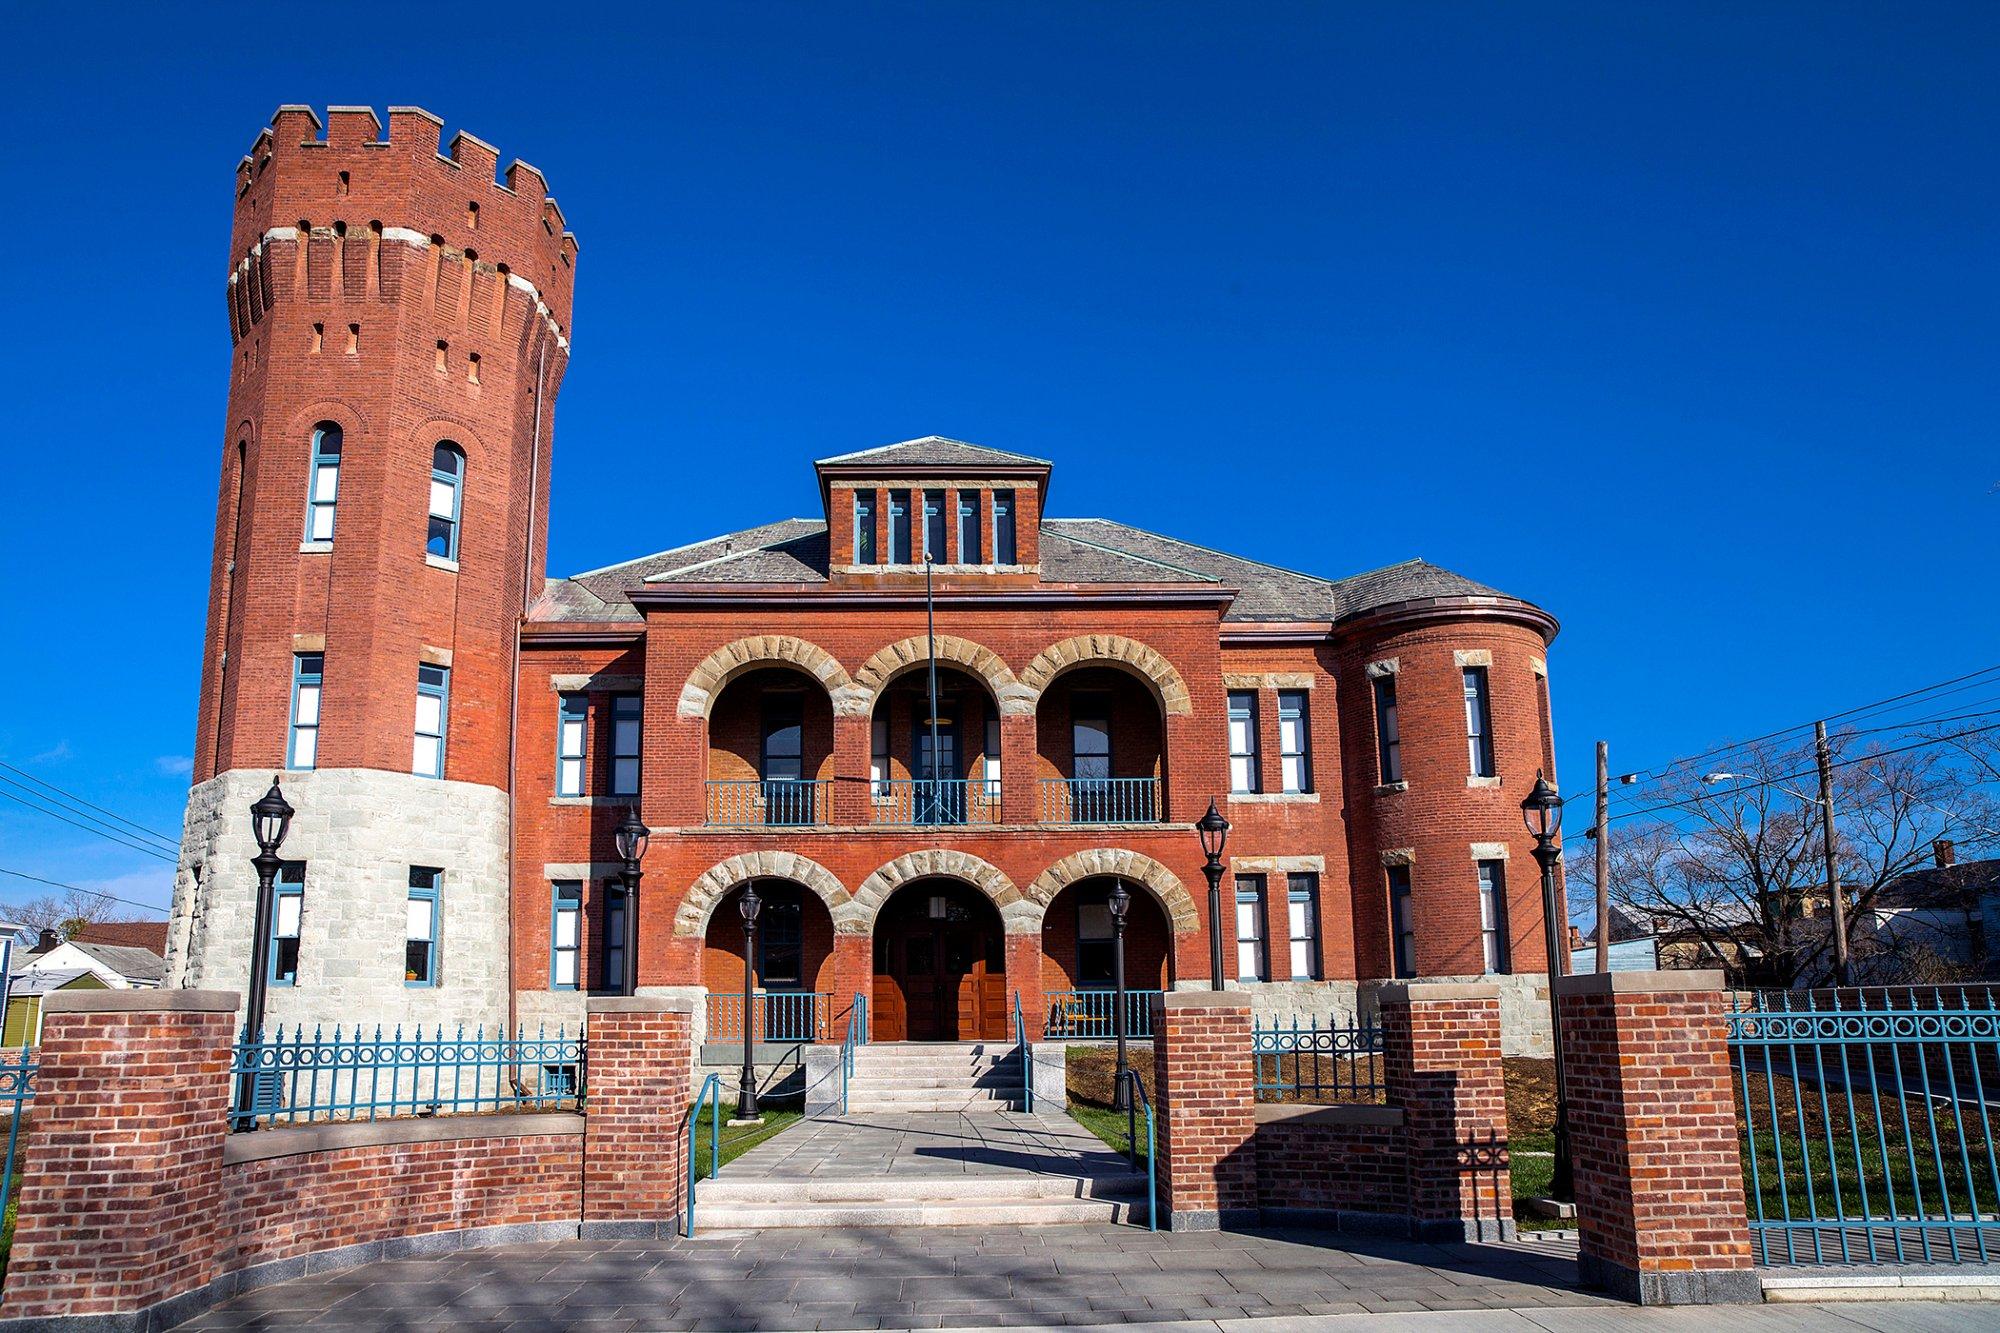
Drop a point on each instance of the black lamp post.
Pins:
(270, 818)
(1214, 831)
(630, 841)
(1121, 903)
(1543, 812)
(746, 1083)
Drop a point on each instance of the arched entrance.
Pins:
(940, 965)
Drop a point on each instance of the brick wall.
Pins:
(1441, 1064)
(640, 1070)
(1205, 1117)
(1653, 1138)
(1346, 1166)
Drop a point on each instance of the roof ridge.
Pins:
(930, 439)
(1226, 555)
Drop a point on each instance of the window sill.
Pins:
(1390, 788)
(593, 800)
(1274, 798)
(1493, 783)
(439, 562)
(315, 548)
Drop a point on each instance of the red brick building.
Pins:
(401, 324)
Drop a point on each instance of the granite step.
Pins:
(983, 1212)
(899, 1189)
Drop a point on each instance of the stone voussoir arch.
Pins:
(1018, 916)
(1120, 863)
(978, 659)
(1147, 662)
(716, 670)
(714, 883)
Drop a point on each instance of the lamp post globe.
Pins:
(1120, 902)
(629, 840)
(1541, 811)
(1213, 830)
(270, 819)
(746, 1082)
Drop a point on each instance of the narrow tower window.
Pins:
(306, 674)
(1402, 923)
(420, 933)
(289, 910)
(614, 937)
(433, 702)
(1479, 722)
(447, 478)
(565, 917)
(323, 490)
(1388, 736)
(570, 719)
(1493, 915)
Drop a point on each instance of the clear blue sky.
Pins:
(1679, 319)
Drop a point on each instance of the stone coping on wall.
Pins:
(156, 1001)
(297, 1140)
(1346, 1113)
(1638, 983)
(639, 1004)
(1202, 999)
(1428, 992)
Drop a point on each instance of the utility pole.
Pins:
(1823, 754)
(1603, 857)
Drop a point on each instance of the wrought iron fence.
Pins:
(295, 1077)
(762, 803)
(17, 1089)
(928, 803)
(1083, 1014)
(1100, 800)
(774, 1016)
(1316, 1060)
(1866, 1124)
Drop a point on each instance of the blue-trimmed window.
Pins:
(288, 910)
(565, 933)
(1479, 722)
(572, 715)
(1402, 923)
(934, 547)
(1493, 916)
(1252, 960)
(447, 488)
(968, 528)
(303, 749)
(1003, 527)
(1295, 741)
(627, 711)
(613, 972)
(899, 527)
(433, 705)
(864, 527)
(323, 483)
(1245, 770)
(1302, 913)
(420, 935)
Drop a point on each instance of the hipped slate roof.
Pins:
(932, 451)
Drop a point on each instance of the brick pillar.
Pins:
(1020, 792)
(1652, 1131)
(851, 756)
(1441, 1064)
(1024, 978)
(853, 974)
(121, 1188)
(639, 1078)
(1205, 1105)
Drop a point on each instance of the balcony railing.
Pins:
(1100, 800)
(1093, 1013)
(764, 802)
(774, 1016)
(928, 802)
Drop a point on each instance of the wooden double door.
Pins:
(940, 966)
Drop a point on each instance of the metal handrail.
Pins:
(768, 802)
(17, 1089)
(857, 1035)
(711, 1094)
(1137, 1085)
(933, 802)
(773, 1015)
(1027, 1059)
(1101, 801)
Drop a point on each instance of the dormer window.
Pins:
(1003, 527)
(864, 527)
(934, 548)
(899, 527)
(968, 528)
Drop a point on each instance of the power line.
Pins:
(147, 848)
(78, 800)
(77, 888)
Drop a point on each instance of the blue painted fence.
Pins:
(1316, 1060)
(1865, 1119)
(17, 1089)
(295, 1077)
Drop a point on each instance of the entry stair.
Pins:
(933, 1136)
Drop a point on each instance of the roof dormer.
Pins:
(976, 511)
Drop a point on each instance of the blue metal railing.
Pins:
(769, 803)
(1136, 1098)
(711, 1097)
(1088, 1014)
(776, 1015)
(1026, 1055)
(929, 803)
(1100, 800)
(1316, 1060)
(293, 1077)
(857, 1035)
(17, 1089)
(1865, 1120)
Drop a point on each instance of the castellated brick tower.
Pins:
(399, 324)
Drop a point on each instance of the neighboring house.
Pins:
(119, 966)
(132, 934)
(1946, 910)
(23, 1025)
(1639, 954)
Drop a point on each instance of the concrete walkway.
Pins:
(929, 1143)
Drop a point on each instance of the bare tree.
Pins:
(1731, 863)
(64, 913)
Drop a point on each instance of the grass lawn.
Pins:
(737, 1141)
(1091, 1071)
